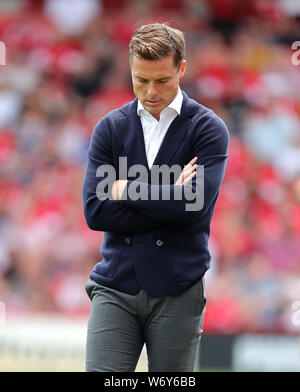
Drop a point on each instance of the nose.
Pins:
(152, 93)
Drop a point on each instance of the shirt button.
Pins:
(159, 243)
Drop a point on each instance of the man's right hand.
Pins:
(188, 172)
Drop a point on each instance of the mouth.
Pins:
(153, 103)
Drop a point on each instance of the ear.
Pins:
(182, 68)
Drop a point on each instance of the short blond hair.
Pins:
(156, 41)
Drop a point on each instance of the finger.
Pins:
(188, 170)
(192, 161)
(179, 181)
(189, 177)
(190, 164)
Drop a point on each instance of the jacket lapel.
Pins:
(131, 139)
(172, 140)
(175, 135)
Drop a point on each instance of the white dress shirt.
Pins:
(155, 131)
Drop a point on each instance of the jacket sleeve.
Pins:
(101, 212)
(173, 203)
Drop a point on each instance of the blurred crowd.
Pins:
(67, 66)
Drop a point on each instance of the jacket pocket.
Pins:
(189, 256)
(111, 249)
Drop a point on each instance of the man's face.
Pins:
(156, 82)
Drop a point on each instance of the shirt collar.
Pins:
(175, 105)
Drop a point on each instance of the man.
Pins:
(149, 287)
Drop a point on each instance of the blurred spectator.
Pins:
(290, 7)
(72, 18)
(270, 131)
(10, 107)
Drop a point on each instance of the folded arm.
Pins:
(211, 147)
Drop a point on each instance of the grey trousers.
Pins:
(119, 324)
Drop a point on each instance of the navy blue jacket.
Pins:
(157, 244)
